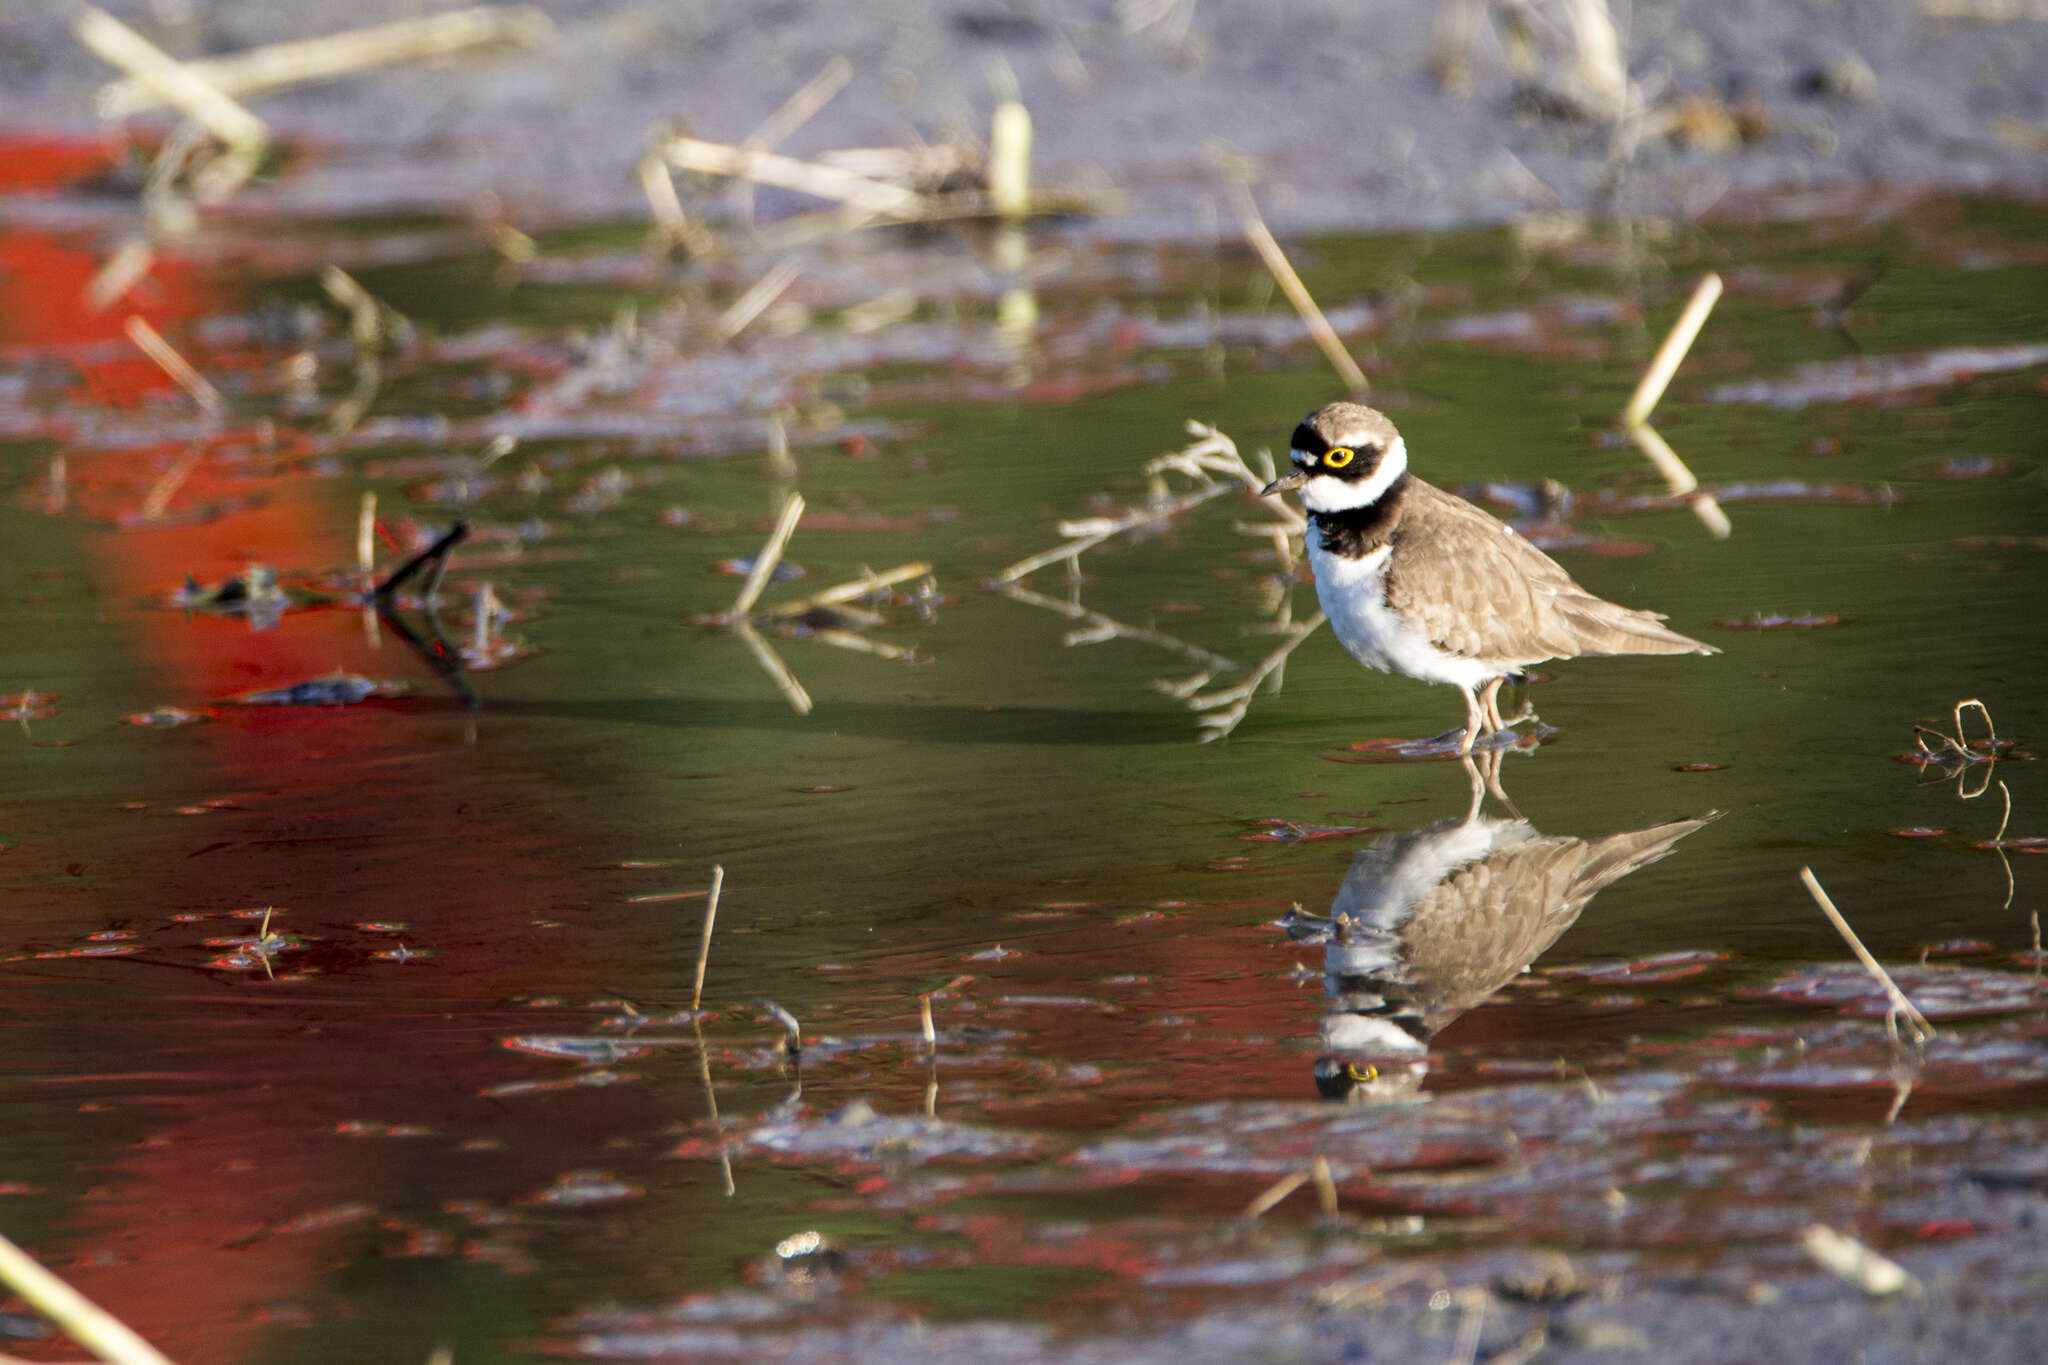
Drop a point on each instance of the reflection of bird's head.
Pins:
(1370, 1082)
(1345, 456)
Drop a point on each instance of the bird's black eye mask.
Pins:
(1319, 455)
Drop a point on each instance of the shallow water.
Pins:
(465, 1102)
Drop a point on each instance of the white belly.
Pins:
(1354, 596)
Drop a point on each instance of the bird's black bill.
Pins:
(1286, 483)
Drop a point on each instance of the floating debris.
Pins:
(336, 689)
(166, 717)
(1776, 621)
(253, 593)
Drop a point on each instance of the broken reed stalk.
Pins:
(91, 1326)
(169, 80)
(317, 59)
(1326, 1186)
(1261, 238)
(924, 1014)
(1676, 343)
(758, 296)
(704, 945)
(152, 344)
(366, 538)
(807, 177)
(770, 556)
(675, 226)
(1274, 1193)
(1923, 1032)
(1009, 160)
(1635, 418)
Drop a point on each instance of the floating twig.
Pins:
(866, 585)
(924, 1014)
(157, 500)
(152, 344)
(1261, 238)
(81, 1319)
(704, 944)
(808, 177)
(366, 539)
(1921, 1031)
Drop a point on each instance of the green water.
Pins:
(1010, 790)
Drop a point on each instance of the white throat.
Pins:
(1328, 493)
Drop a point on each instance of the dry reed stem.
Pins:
(1848, 1258)
(1261, 238)
(704, 944)
(1274, 1193)
(781, 464)
(152, 344)
(771, 662)
(770, 556)
(316, 59)
(1326, 1186)
(924, 1014)
(1669, 355)
(366, 537)
(171, 81)
(674, 225)
(1099, 628)
(758, 296)
(1923, 1032)
(807, 177)
(91, 1326)
(1009, 160)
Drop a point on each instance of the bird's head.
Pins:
(1345, 456)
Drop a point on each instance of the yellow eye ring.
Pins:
(1336, 457)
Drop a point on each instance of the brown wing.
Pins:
(1477, 589)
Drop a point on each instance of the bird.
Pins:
(1418, 581)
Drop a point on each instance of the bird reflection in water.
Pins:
(1432, 921)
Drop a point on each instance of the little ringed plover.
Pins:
(1418, 581)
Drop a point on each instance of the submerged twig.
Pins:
(1922, 1031)
(1097, 628)
(1274, 1193)
(1261, 238)
(1227, 707)
(81, 1319)
(771, 662)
